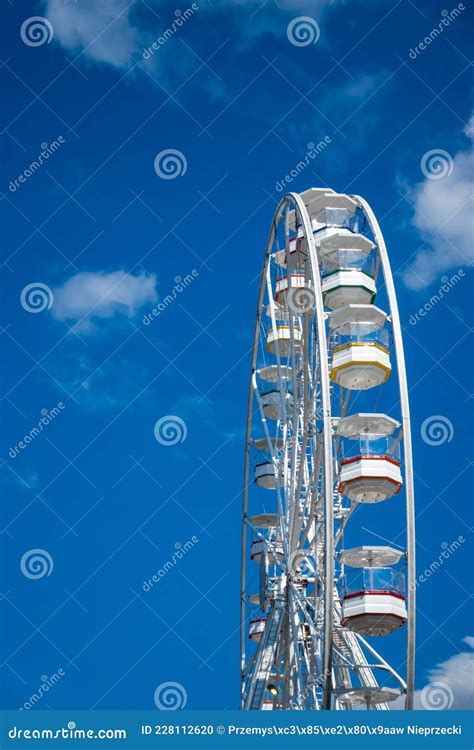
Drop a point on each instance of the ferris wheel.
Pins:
(328, 470)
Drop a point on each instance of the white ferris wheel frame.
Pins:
(321, 317)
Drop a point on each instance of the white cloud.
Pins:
(109, 31)
(87, 295)
(444, 218)
(104, 30)
(450, 684)
(469, 128)
(457, 673)
(364, 85)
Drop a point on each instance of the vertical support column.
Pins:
(327, 454)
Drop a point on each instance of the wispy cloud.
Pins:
(87, 296)
(444, 218)
(353, 105)
(450, 683)
(110, 32)
(104, 30)
(109, 385)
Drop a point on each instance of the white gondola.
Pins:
(261, 444)
(281, 312)
(348, 278)
(360, 347)
(282, 335)
(343, 239)
(272, 406)
(265, 521)
(292, 288)
(369, 556)
(271, 374)
(273, 548)
(257, 629)
(354, 698)
(373, 601)
(327, 210)
(369, 471)
(347, 286)
(295, 255)
(265, 475)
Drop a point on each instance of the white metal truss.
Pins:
(304, 657)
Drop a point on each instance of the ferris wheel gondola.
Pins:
(321, 347)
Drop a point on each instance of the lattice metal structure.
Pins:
(328, 442)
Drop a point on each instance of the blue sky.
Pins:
(108, 502)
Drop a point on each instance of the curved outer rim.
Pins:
(327, 439)
(407, 443)
(248, 442)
